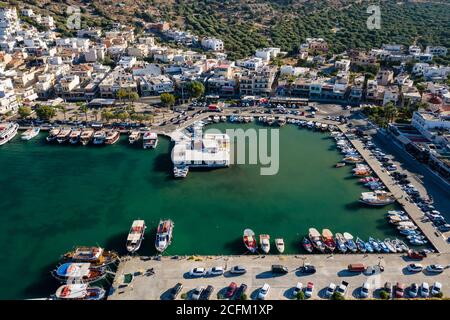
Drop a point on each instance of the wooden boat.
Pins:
(63, 135)
(264, 242)
(112, 136)
(86, 136)
(349, 242)
(71, 272)
(164, 235)
(377, 198)
(30, 133)
(328, 240)
(74, 136)
(96, 256)
(307, 245)
(250, 240)
(340, 164)
(134, 136)
(79, 291)
(136, 235)
(316, 239)
(340, 243)
(279, 243)
(53, 134)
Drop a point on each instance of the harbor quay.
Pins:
(167, 271)
(436, 238)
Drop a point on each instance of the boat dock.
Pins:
(153, 278)
(436, 238)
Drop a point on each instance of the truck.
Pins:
(356, 267)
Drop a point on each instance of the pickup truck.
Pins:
(342, 289)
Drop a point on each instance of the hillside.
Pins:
(247, 24)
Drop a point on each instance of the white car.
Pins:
(215, 271)
(415, 267)
(196, 293)
(436, 289)
(330, 290)
(263, 292)
(238, 270)
(309, 289)
(297, 289)
(197, 272)
(364, 292)
(435, 268)
(424, 290)
(342, 289)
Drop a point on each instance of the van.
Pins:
(276, 268)
(356, 267)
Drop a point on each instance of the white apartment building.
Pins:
(127, 62)
(426, 121)
(343, 65)
(267, 53)
(95, 54)
(8, 100)
(436, 50)
(212, 44)
(9, 21)
(150, 85)
(391, 94)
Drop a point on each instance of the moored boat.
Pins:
(250, 240)
(164, 234)
(307, 245)
(340, 243)
(279, 244)
(86, 136)
(96, 256)
(360, 244)
(63, 135)
(78, 273)
(136, 235)
(135, 135)
(389, 245)
(316, 239)
(374, 244)
(74, 137)
(349, 242)
(281, 121)
(79, 291)
(383, 246)
(264, 242)
(328, 240)
(99, 137)
(112, 136)
(7, 132)
(377, 198)
(149, 140)
(53, 134)
(30, 133)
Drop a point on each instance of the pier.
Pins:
(436, 238)
(167, 271)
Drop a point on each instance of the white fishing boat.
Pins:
(7, 132)
(150, 140)
(30, 133)
(279, 243)
(180, 171)
(136, 235)
(389, 245)
(223, 118)
(72, 272)
(216, 119)
(112, 136)
(79, 291)
(264, 242)
(377, 198)
(164, 234)
(349, 242)
(281, 121)
(99, 137)
(316, 239)
(63, 135)
(75, 135)
(53, 134)
(250, 240)
(247, 119)
(86, 136)
(135, 135)
(270, 120)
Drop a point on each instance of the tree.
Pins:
(84, 108)
(45, 112)
(167, 99)
(121, 93)
(196, 89)
(337, 296)
(95, 113)
(24, 111)
(384, 295)
(63, 110)
(300, 295)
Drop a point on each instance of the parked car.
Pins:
(238, 270)
(196, 293)
(342, 289)
(231, 290)
(330, 290)
(206, 293)
(424, 290)
(297, 289)
(399, 290)
(415, 267)
(388, 289)
(197, 272)
(240, 291)
(435, 268)
(175, 291)
(364, 291)
(215, 271)
(413, 290)
(309, 269)
(436, 289)
(309, 289)
(263, 291)
(279, 269)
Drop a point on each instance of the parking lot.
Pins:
(330, 269)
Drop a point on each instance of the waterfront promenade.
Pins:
(437, 239)
(330, 269)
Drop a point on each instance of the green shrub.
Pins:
(300, 295)
(184, 296)
(337, 296)
(384, 295)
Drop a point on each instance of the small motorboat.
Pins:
(79, 291)
(86, 136)
(75, 136)
(340, 243)
(328, 240)
(112, 136)
(361, 245)
(383, 246)
(374, 244)
(316, 240)
(30, 133)
(135, 236)
(340, 164)
(96, 256)
(349, 242)
(409, 232)
(63, 135)
(264, 242)
(368, 247)
(134, 136)
(164, 234)
(307, 245)
(78, 273)
(398, 247)
(279, 243)
(250, 240)
(389, 245)
(53, 134)
(418, 242)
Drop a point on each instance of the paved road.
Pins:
(169, 271)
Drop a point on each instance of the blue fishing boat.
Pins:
(383, 246)
(368, 247)
(360, 244)
(374, 244)
(349, 243)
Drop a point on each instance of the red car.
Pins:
(231, 290)
(399, 290)
(416, 255)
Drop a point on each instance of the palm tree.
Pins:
(63, 110)
(84, 108)
(95, 113)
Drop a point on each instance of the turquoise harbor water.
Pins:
(54, 197)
